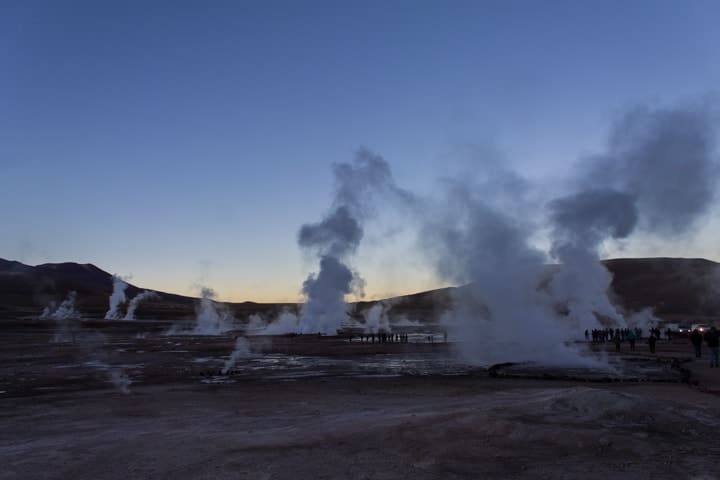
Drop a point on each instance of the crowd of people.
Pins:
(603, 335)
(383, 337)
(711, 337)
(386, 337)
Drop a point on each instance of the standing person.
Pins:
(651, 341)
(696, 340)
(712, 338)
(631, 338)
(617, 341)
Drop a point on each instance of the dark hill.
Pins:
(672, 286)
(26, 290)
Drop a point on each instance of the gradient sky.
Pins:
(185, 142)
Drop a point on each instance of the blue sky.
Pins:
(185, 142)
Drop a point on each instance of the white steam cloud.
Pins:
(135, 302)
(659, 175)
(376, 319)
(334, 239)
(285, 322)
(211, 317)
(66, 310)
(499, 314)
(117, 298)
(63, 314)
(241, 350)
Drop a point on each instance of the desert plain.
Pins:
(123, 400)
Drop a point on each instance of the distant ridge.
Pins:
(26, 290)
(673, 287)
(59, 278)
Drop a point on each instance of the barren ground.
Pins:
(62, 418)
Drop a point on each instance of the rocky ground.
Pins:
(376, 414)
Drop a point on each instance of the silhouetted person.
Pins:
(711, 338)
(651, 341)
(617, 341)
(668, 333)
(631, 336)
(696, 339)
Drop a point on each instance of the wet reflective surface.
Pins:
(292, 367)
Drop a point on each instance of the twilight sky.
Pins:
(185, 142)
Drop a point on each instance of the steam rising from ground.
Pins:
(658, 175)
(66, 310)
(211, 317)
(120, 379)
(241, 350)
(499, 314)
(93, 347)
(135, 302)
(117, 298)
(91, 350)
(64, 314)
(376, 319)
(337, 236)
(285, 322)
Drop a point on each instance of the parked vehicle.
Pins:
(700, 326)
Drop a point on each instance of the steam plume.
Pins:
(212, 318)
(376, 319)
(66, 310)
(285, 322)
(334, 239)
(63, 314)
(658, 176)
(135, 302)
(499, 314)
(117, 298)
(241, 350)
